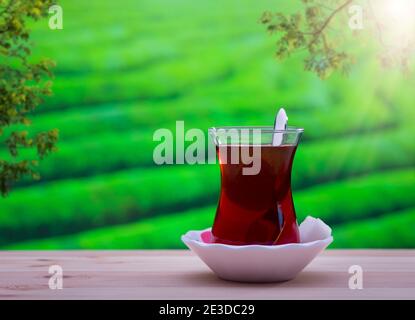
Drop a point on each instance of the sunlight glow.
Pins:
(397, 19)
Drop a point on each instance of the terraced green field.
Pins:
(128, 68)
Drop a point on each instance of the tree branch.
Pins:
(328, 20)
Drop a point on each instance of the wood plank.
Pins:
(179, 274)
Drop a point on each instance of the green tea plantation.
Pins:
(127, 68)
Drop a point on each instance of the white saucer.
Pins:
(258, 263)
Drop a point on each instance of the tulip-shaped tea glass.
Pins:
(255, 204)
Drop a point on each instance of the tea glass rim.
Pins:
(264, 129)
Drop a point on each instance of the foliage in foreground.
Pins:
(22, 87)
(310, 29)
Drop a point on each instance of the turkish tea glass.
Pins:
(255, 204)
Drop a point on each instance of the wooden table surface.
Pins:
(179, 274)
